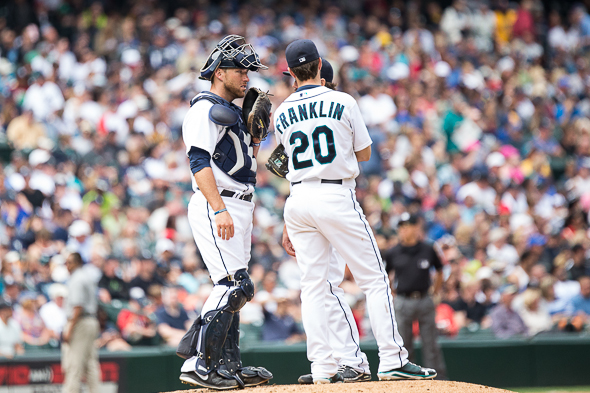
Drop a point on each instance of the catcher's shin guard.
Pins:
(214, 327)
(245, 376)
(231, 348)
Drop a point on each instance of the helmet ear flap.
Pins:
(207, 72)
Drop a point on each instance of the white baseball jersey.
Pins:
(321, 129)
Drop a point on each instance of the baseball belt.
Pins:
(325, 181)
(230, 194)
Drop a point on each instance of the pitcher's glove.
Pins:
(278, 162)
(256, 111)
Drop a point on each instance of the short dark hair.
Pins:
(307, 71)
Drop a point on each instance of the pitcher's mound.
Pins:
(372, 387)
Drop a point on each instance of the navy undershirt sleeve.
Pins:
(199, 159)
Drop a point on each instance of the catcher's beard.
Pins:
(233, 86)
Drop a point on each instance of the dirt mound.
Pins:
(372, 387)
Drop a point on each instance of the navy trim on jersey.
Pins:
(317, 95)
(307, 87)
(358, 348)
(199, 159)
(384, 277)
(215, 241)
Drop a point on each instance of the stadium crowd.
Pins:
(479, 113)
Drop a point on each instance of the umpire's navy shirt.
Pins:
(412, 267)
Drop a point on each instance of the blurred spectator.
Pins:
(25, 132)
(279, 325)
(80, 240)
(501, 251)
(506, 322)
(524, 24)
(535, 317)
(173, 321)
(471, 310)
(111, 286)
(53, 313)
(10, 333)
(146, 276)
(456, 21)
(580, 305)
(35, 333)
(109, 338)
(578, 265)
(135, 327)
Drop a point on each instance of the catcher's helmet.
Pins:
(231, 52)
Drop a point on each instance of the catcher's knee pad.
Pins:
(245, 283)
(214, 328)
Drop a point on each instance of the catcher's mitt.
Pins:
(278, 162)
(256, 111)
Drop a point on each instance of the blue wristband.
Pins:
(220, 211)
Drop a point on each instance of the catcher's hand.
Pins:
(256, 111)
(278, 162)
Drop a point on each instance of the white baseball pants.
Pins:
(318, 215)
(343, 333)
(222, 257)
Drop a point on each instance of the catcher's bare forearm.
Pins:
(206, 183)
(255, 149)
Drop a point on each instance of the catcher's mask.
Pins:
(231, 52)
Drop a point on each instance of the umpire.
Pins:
(79, 354)
(409, 264)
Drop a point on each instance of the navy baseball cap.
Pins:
(301, 52)
(327, 72)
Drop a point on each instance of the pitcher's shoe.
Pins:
(336, 378)
(348, 373)
(212, 380)
(408, 371)
(352, 375)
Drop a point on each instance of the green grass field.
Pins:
(555, 389)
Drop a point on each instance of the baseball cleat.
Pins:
(352, 375)
(211, 381)
(408, 371)
(336, 378)
(348, 373)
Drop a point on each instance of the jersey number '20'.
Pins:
(315, 136)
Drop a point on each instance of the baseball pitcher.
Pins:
(324, 138)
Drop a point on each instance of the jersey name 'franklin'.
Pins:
(307, 111)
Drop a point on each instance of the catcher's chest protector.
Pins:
(233, 153)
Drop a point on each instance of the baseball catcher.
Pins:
(222, 141)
